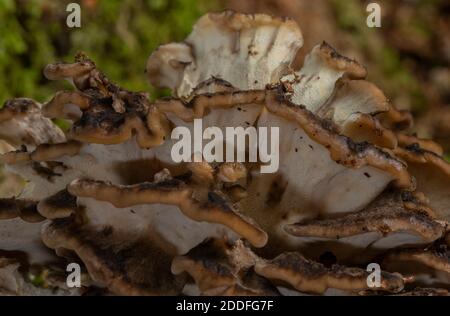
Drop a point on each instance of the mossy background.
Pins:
(118, 35)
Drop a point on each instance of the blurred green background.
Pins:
(118, 35)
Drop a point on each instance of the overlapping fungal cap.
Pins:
(22, 124)
(432, 172)
(311, 277)
(111, 196)
(314, 83)
(43, 170)
(13, 208)
(194, 201)
(393, 220)
(430, 265)
(221, 268)
(131, 264)
(49, 168)
(10, 183)
(307, 141)
(23, 127)
(104, 112)
(20, 226)
(359, 172)
(146, 208)
(81, 159)
(259, 46)
(331, 85)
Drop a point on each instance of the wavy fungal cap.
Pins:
(260, 46)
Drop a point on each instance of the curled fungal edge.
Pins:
(352, 188)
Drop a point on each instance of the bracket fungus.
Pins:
(352, 187)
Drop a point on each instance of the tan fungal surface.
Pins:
(218, 267)
(432, 173)
(430, 266)
(260, 46)
(126, 265)
(385, 224)
(307, 276)
(22, 123)
(212, 207)
(350, 187)
(221, 268)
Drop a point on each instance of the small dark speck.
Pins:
(310, 146)
(256, 81)
(247, 123)
(239, 109)
(107, 231)
(296, 150)
(301, 137)
(328, 259)
(132, 211)
(367, 175)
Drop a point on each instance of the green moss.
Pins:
(348, 13)
(391, 72)
(447, 157)
(37, 280)
(62, 124)
(118, 35)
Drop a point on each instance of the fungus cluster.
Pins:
(353, 187)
